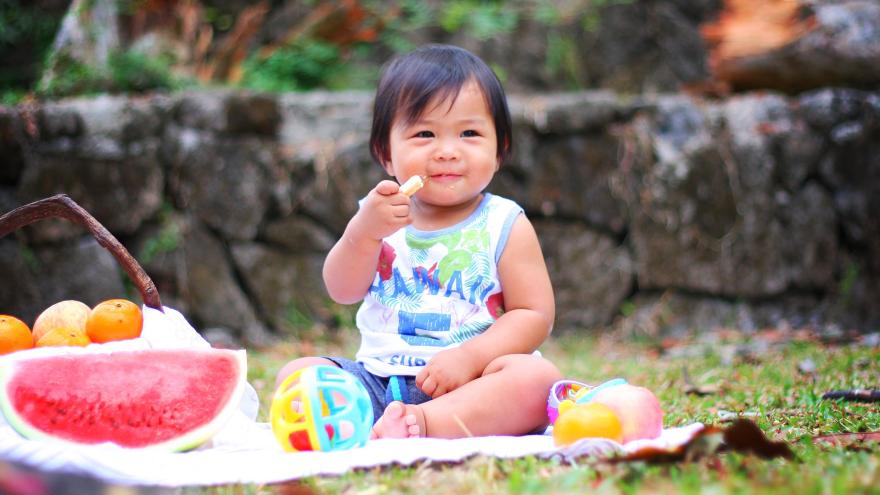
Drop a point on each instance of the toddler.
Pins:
(455, 294)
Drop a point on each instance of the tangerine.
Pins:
(587, 420)
(114, 319)
(64, 314)
(61, 336)
(14, 335)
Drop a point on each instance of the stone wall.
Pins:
(675, 213)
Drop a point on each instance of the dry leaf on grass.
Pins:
(742, 436)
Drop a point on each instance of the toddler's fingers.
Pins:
(429, 386)
(387, 187)
(438, 391)
(400, 211)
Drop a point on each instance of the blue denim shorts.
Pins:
(383, 390)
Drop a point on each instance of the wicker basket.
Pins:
(63, 206)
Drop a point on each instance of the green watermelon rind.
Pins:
(187, 441)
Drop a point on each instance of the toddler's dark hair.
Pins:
(411, 81)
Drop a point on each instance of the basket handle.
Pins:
(61, 205)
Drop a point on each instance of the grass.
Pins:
(777, 381)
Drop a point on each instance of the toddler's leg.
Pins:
(510, 398)
(400, 421)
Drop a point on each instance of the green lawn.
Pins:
(775, 379)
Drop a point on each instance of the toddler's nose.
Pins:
(446, 150)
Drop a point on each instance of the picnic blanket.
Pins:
(245, 451)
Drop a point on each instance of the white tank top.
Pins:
(434, 290)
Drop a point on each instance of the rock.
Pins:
(80, 269)
(577, 181)
(209, 285)
(340, 178)
(11, 134)
(253, 114)
(677, 314)
(289, 287)
(225, 182)
(315, 124)
(119, 193)
(569, 113)
(591, 275)
(758, 207)
(22, 299)
(710, 205)
(203, 110)
(299, 235)
(59, 119)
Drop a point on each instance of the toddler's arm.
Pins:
(529, 309)
(351, 265)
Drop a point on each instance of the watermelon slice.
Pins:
(164, 399)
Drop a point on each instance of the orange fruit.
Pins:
(114, 319)
(61, 336)
(587, 420)
(64, 314)
(14, 335)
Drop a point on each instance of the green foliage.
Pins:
(480, 19)
(19, 23)
(628, 308)
(848, 280)
(72, 78)
(562, 58)
(166, 240)
(296, 319)
(11, 97)
(303, 65)
(133, 71)
(415, 15)
(313, 63)
(27, 28)
(128, 71)
(30, 258)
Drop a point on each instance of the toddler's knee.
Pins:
(533, 374)
(543, 373)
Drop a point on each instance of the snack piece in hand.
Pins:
(412, 185)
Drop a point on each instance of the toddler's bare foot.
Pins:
(400, 421)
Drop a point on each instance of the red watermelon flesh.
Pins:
(172, 399)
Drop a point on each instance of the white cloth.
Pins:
(245, 451)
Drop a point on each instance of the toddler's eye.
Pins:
(470, 133)
(424, 134)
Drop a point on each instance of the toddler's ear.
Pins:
(388, 169)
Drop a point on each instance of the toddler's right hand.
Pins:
(383, 212)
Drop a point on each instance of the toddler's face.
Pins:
(455, 146)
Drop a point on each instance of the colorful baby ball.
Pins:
(566, 393)
(321, 408)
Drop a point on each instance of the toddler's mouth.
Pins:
(444, 176)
